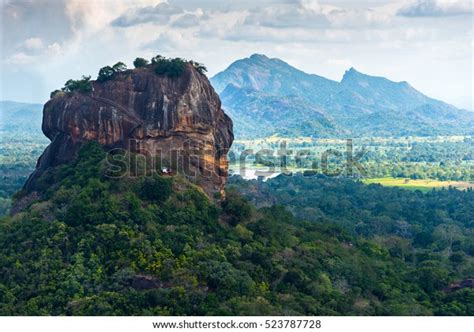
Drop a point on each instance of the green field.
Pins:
(423, 185)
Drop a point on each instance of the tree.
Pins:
(82, 85)
(431, 277)
(119, 67)
(199, 67)
(236, 207)
(105, 73)
(170, 67)
(157, 58)
(155, 188)
(457, 258)
(140, 62)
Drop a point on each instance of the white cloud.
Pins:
(340, 63)
(20, 58)
(54, 49)
(437, 8)
(159, 14)
(304, 13)
(33, 44)
(70, 38)
(286, 36)
(313, 15)
(361, 18)
(170, 41)
(33, 50)
(190, 20)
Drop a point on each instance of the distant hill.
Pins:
(21, 117)
(268, 96)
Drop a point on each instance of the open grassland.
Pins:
(361, 140)
(423, 185)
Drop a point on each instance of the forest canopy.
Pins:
(93, 245)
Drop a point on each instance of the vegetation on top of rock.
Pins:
(107, 72)
(119, 67)
(140, 62)
(199, 67)
(157, 58)
(170, 67)
(174, 67)
(82, 85)
(162, 66)
(55, 93)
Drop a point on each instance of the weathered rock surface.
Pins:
(143, 112)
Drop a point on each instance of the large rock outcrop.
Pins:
(179, 119)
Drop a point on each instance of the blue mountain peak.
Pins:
(352, 73)
(257, 56)
(267, 95)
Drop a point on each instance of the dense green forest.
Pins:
(94, 245)
(438, 223)
(18, 156)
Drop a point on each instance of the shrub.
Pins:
(140, 62)
(55, 93)
(174, 67)
(155, 188)
(170, 67)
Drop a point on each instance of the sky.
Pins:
(428, 43)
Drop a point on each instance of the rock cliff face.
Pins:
(179, 119)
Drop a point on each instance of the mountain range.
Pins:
(267, 96)
(20, 117)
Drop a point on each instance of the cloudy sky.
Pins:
(428, 43)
